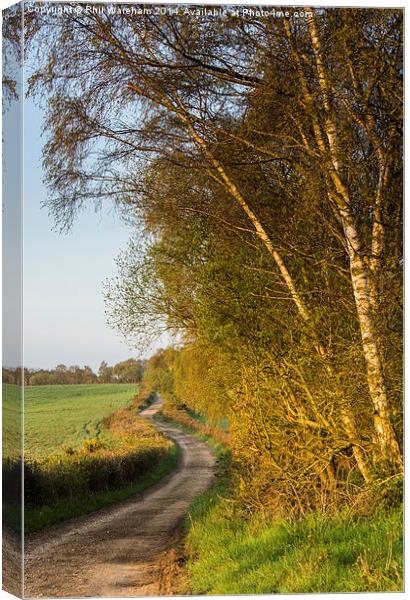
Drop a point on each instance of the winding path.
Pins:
(129, 549)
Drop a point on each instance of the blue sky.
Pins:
(64, 319)
(64, 307)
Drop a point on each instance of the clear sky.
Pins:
(63, 274)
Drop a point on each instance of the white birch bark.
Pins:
(360, 277)
(346, 414)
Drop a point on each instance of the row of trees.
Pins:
(263, 159)
(127, 371)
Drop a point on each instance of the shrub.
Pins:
(138, 448)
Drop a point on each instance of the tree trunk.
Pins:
(347, 416)
(360, 276)
(375, 378)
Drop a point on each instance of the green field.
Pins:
(61, 416)
(12, 426)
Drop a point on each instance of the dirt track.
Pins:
(126, 550)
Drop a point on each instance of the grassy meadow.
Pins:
(57, 417)
(12, 425)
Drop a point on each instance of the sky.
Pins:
(64, 320)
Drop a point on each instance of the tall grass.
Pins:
(65, 478)
(37, 517)
(232, 553)
(193, 424)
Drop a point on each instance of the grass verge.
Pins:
(229, 553)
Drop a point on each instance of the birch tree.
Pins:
(320, 104)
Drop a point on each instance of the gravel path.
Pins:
(129, 549)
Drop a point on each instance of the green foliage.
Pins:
(233, 552)
(270, 195)
(387, 493)
(255, 274)
(127, 371)
(159, 376)
(105, 372)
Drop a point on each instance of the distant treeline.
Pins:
(127, 371)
